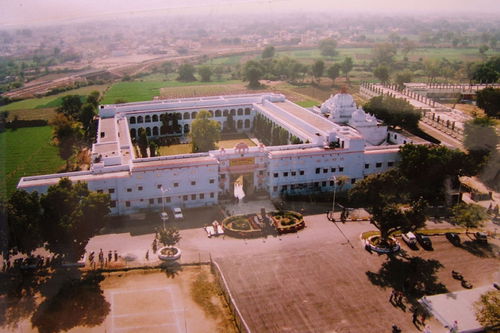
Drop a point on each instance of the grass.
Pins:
(32, 114)
(228, 144)
(135, 91)
(203, 291)
(50, 101)
(183, 148)
(26, 152)
(307, 103)
(204, 90)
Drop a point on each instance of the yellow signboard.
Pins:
(242, 161)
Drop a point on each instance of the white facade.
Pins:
(202, 179)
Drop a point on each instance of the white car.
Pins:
(178, 213)
(410, 238)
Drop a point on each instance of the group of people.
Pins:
(37, 261)
(103, 259)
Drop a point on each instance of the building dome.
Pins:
(359, 115)
(341, 100)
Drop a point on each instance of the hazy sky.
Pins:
(28, 12)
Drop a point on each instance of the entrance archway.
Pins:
(243, 181)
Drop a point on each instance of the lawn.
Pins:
(228, 144)
(26, 152)
(307, 103)
(183, 148)
(50, 101)
(136, 91)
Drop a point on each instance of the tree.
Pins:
(488, 309)
(483, 49)
(333, 72)
(23, 216)
(268, 52)
(383, 54)
(318, 68)
(205, 132)
(86, 117)
(391, 217)
(252, 72)
(328, 47)
(93, 98)
(403, 77)
(431, 69)
(71, 216)
(407, 46)
(381, 73)
(186, 73)
(142, 142)
(346, 67)
(167, 67)
(480, 135)
(168, 236)
(468, 215)
(67, 133)
(394, 112)
(71, 106)
(153, 148)
(488, 99)
(205, 73)
(487, 72)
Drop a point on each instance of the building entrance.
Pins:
(242, 184)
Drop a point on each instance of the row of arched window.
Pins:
(155, 131)
(191, 115)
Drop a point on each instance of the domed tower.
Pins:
(340, 107)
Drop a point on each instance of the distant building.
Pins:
(339, 139)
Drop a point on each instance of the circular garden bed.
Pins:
(169, 253)
(240, 226)
(288, 221)
(374, 243)
(250, 226)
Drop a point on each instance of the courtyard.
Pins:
(227, 141)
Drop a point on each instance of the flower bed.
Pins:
(169, 253)
(239, 226)
(288, 221)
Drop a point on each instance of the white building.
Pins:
(340, 140)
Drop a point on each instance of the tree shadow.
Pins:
(487, 250)
(172, 269)
(78, 302)
(413, 276)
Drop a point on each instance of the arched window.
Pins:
(147, 119)
(148, 131)
(224, 113)
(240, 112)
(240, 123)
(132, 120)
(186, 128)
(187, 115)
(155, 117)
(140, 120)
(163, 130)
(211, 113)
(217, 113)
(233, 112)
(193, 115)
(247, 111)
(247, 123)
(155, 131)
(132, 133)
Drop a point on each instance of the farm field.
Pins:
(136, 91)
(32, 114)
(26, 152)
(204, 90)
(50, 101)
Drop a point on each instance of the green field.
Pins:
(137, 91)
(307, 103)
(26, 152)
(50, 101)
(183, 148)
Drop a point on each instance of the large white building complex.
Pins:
(339, 139)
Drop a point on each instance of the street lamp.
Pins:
(334, 192)
(164, 215)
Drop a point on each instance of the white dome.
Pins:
(343, 100)
(359, 115)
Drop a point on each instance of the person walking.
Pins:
(415, 318)
(147, 255)
(116, 256)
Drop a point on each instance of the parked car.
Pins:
(453, 238)
(481, 237)
(424, 241)
(178, 213)
(410, 238)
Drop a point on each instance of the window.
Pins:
(159, 200)
(333, 169)
(211, 181)
(127, 203)
(158, 186)
(185, 197)
(341, 169)
(223, 176)
(139, 188)
(112, 204)
(331, 183)
(167, 199)
(176, 184)
(353, 180)
(240, 112)
(140, 120)
(99, 191)
(318, 170)
(247, 111)
(378, 165)
(294, 173)
(325, 170)
(284, 187)
(147, 119)
(275, 188)
(275, 175)
(261, 172)
(202, 196)
(193, 196)
(390, 164)
(212, 195)
(285, 174)
(111, 190)
(132, 120)
(367, 166)
(301, 172)
(193, 183)
(316, 184)
(129, 190)
(323, 183)
(151, 201)
(155, 117)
